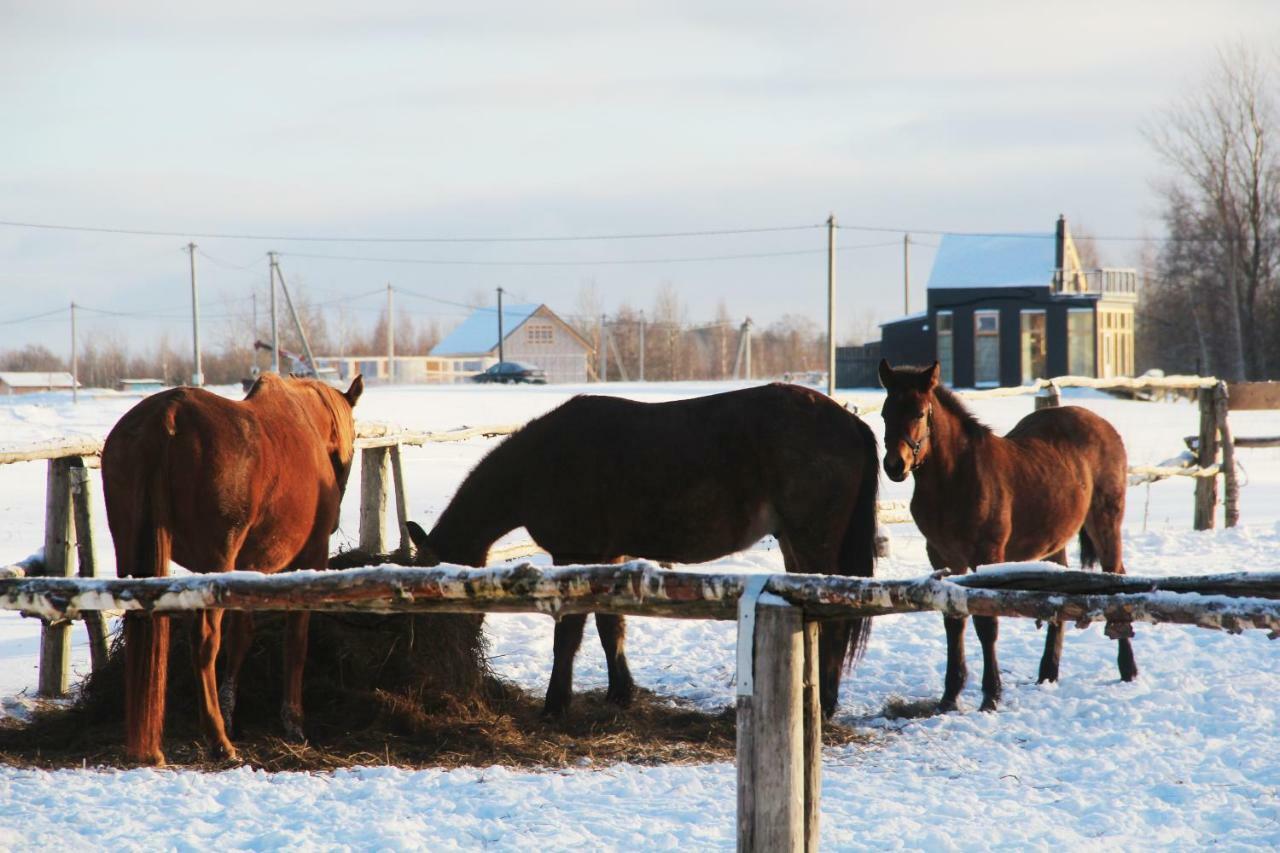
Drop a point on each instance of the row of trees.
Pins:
(674, 347)
(1211, 303)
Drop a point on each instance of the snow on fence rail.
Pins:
(779, 723)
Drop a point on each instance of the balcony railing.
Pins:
(1110, 282)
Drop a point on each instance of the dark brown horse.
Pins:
(688, 481)
(981, 499)
(219, 485)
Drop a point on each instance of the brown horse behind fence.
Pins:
(687, 481)
(219, 485)
(981, 499)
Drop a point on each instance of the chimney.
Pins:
(1060, 253)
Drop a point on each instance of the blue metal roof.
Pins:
(1021, 260)
(478, 334)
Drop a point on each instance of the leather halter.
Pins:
(917, 445)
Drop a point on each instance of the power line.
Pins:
(580, 263)
(143, 232)
(32, 317)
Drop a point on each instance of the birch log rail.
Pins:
(1231, 602)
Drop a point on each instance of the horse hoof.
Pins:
(946, 706)
(621, 697)
(225, 753)
(292, 724)
(988, 705)
(1050, 676)
(1129, 676)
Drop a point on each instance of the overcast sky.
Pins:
(567, 119)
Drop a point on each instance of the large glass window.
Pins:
(986, 348)
(1081, 347)
(946, 347)
(1035, 351)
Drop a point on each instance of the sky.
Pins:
(513, 120)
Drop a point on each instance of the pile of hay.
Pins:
(410, 690)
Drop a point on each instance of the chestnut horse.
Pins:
(981, 499)
(686, 481)
(219, 485)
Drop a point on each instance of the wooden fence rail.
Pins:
(778, 718)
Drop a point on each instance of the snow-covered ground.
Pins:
(1182, 758)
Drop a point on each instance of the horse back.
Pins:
(239, 484)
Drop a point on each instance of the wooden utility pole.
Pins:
(642, 325)
(831, 308)
(75, 367)
(297, 323)
(501, 343)
(275, 322)
(391, 337)
(906, 273)
(197, 374)
(604, 349)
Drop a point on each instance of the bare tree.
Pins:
(1222, 209)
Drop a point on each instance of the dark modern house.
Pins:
(1009, 309)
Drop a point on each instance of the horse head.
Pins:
(342, 425)
(908, 416)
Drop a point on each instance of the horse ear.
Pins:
(932, 376)
(425, 556)
(886, 373)
(356, 389)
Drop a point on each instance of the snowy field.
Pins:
(1183, 758)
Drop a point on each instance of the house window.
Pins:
(946, 347)
(986, 348)
(539, 334)
(1081, 346)
(1034, 347)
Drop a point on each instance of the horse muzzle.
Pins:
(896, 468)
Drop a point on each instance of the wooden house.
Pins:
(35, 381)
(532, 333)
(1010, 309)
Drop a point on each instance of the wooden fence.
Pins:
(68, 527)
(779, 722)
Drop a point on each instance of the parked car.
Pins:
(512, 371)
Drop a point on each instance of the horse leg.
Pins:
(988, 629)
(1053, 636)
(1105, 533)
(612, 629)
(568, 638)
(237, 635)
(957, 671)
(295, 658)
(205, 640)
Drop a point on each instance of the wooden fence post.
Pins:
(81, 502)
(402, 507)
(811, 708)
(1230, 482)
(771, 740)
(1048, 396)
(1207, 451)
(59, 538)
(373, 500)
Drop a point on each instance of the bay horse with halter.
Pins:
(600, 479)
(218, 485)
(981, 498)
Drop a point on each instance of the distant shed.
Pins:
(34, 381)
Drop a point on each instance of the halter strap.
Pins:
(917, 445)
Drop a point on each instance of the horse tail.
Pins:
(858, 548)
(1088, 551)
(146, 636)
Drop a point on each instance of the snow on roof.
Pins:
(918, 315)
(1012, 260)
(37, 379)
(478, 334)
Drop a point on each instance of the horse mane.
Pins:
(971, 426)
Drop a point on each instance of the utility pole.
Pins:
(275, 323)
(501, 346)
(641, 346)
(310, 359)
(75, 371)
(391, 338)
(746, 330)
(906, 273)
(254, 331)
(831, 309)
(604, 351)
(197, 376)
